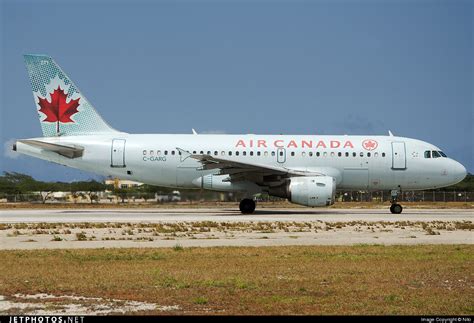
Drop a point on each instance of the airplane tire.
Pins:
(247, 206)
(396, 208)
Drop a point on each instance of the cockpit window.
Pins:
(442, 154)
(427, 154)
(435, 154)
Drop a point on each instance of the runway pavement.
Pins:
(111, 228)
(226, 214)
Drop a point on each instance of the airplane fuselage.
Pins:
(356, 162)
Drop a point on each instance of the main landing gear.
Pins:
(395, 208)
(247, 206)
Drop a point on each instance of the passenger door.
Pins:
(399, 160)
(118, 153)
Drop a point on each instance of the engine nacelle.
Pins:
(307, 191)
(222, 183)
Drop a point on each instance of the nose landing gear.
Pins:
(247, 206)
(395, 208)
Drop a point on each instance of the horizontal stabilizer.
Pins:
(69, 151)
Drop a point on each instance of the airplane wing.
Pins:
(66, 150)
(246, 171)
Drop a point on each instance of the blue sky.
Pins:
(293, 67)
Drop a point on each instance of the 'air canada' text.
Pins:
(279, 143)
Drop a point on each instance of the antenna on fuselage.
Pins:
(390, 133)
(194, 131)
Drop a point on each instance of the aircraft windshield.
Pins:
(434, 154)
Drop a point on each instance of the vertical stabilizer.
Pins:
(62, 108)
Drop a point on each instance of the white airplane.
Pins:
(306, 170)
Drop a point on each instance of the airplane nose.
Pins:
(459, 172)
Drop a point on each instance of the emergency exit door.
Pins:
(118, 153)
(399, 160)
(281, 155)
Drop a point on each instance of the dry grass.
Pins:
(366, 279)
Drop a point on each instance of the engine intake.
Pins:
(307, 191)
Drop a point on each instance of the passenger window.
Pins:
(310, 154)
(251, 153)
(361, 154)
(265, 153)
(303, 154)
(354, 154)
(376, 154)
(339, 154)
(194, 152)
(258, 153)
(152, 152)
(281, 153)
(292, 153)
(166, 152)
(332, 154)
(273, 153)
(435, 154)
(208, 152)
(172, 152)
(347, 154)
(222, 153)
(318, 154)
(236, 153)
(201, 152)
(230, 153)
(383, 154)
(244, 153)
(325, 154)
(216, 153)
(368, 154)
(158, 152)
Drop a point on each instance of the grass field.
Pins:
(365, 279)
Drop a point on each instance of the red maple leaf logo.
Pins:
(58, 110)
(369, 144)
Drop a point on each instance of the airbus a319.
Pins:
(306, 170)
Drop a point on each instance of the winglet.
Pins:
(184, 154)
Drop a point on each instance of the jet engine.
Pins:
(307, 191)
(223, 183)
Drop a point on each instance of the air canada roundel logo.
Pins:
(369, 144)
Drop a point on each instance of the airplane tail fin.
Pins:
(62, 108)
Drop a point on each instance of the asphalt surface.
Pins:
(225, 214)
